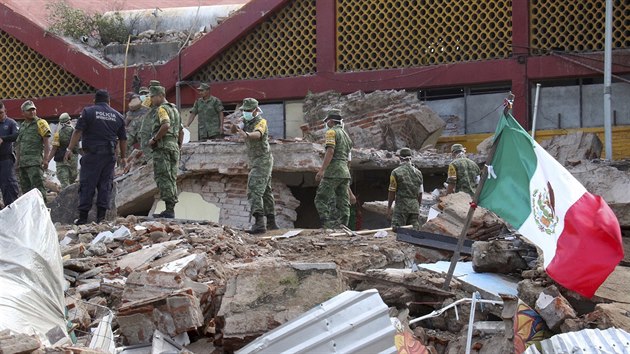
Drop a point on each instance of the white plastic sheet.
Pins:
(31, 271)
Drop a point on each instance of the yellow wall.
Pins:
(620, 139)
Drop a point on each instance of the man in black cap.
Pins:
(99, 128)
(8, 134)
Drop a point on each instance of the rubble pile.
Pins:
(384, 120)
(453, 212)
(208, 281)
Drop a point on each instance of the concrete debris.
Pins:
(571, 149)
(609, 182)
(454, 210)
(497, 256)
(18, 343)
(267, 293)
(63, 208)
(554, 308)
(385, 120)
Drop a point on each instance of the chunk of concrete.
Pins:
(554, 308)
(496, 256)
(574, 146)
(485, 224)
(385, 120)
(267, 293)
(610, 315)
(528, 291)
(63, 209)
(609, 182)
(171, 314)
(142, 258)
(18, 343)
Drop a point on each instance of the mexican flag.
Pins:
(578, 233)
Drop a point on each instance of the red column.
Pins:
(326, 13)
(520, 53)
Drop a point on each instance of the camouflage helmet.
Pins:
(203, 87)
(154, 83)
(143, 90)
(457, 147)
(334, 114)
(64, 118)
(404, 152)
(27, 105)
(156, 90)
(249, 104)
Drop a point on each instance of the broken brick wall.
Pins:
(386, 120)
(229, 193)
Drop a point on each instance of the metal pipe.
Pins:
(535, 111)
(454, 304)
(471, 321)
(608, 81)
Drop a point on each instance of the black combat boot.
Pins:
(259, 226)
(271, 222)
(100, 214)
(82, 220)
(168, 213)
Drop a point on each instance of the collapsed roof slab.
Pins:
(230, 158)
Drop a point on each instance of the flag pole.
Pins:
(473, 204)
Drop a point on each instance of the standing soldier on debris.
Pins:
(133, 119)
(259, 192)
(32, 149)
(99, 128)
(463, 173)
(166, 142)
(210, 112)
(405, 186)
(332, 199)
(146, 125)
(8, 134)
(66, 171)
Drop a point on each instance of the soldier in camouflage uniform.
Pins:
(146, 126)
(405, 186)
(331, 199)
(259, 192)
(66, 170)
(463, 173)
(133, 118)
(210, 112)
(32, 148)
(166, 142)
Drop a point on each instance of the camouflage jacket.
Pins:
(463, 173)
(338, 139)
(167, 113)
(29, 142)
(133, 129)
(258, 151)
(208, 111)
(61, 140)
(406, 181)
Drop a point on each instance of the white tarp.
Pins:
(31, 271)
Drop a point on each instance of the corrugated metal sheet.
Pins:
(351, 322)
(587, 341)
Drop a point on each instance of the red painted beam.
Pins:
(52, 47)
(326, 42)
(216, 41)
(51, 107)
(520, 27)
(462, 74)
(555, 67)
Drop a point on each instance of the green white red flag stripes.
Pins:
(578, 233)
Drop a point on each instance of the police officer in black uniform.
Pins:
(99, 128)
(8, 134)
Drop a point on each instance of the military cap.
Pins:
(154, 83)
(203, 87)
(143, 90)
(404, 152)
(64, 118)
(101, 96)
(27, 105)
(457, 147)
(334, 114)
(156, 90)
(249, 104)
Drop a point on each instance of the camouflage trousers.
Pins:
(32, 177)
(403, 219)
(332, 203)
(165, 163)
(260, 194)
(67, 172)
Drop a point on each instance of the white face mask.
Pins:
(248, 115)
